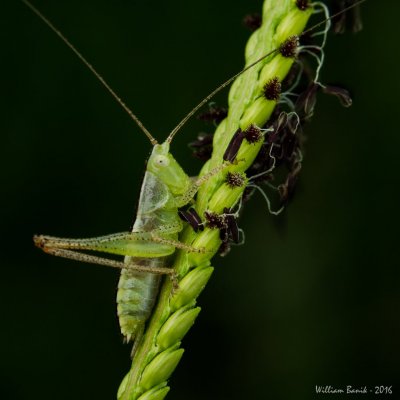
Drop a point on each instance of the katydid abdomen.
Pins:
(137, 293)
(138, 290)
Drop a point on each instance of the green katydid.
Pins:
(154, 237)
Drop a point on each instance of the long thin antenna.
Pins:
(92, 69)
(212, 94)
(219, 88)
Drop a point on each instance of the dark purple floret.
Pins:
(302, 4)
(252, 21)
(287, 189)
(214, 114)
(306, 101)
(289, 47)
(342, 94)
(234, 146)
(350, 18)
(214, 221)
(231, 225)
(202, 146)
(253, 134)
(272, 89)
(192, 218)
(278, 125)
(235, 179)
(224, 249)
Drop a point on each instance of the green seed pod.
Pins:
(208, 239)
(225, 197)
(279, 66)
(251, 45)
(235, 91)
(246, 155)
(258, 113)
(122, 386)
(219, 132)
(155, 394)
(176, 327)
(160, 368)
(236, 179)
(190, 287)
(292, 24)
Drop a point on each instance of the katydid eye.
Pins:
(161, 161)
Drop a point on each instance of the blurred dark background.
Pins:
(311, 299)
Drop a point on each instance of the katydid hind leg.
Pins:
(91, 259)
(156, 243)
(134, 244)
(178, 245)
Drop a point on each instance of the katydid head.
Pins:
(162, 164)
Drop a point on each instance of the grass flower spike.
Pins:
(253, 98)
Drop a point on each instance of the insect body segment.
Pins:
(192, 218)
(137, 293)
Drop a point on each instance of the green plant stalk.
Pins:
(159, 351)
